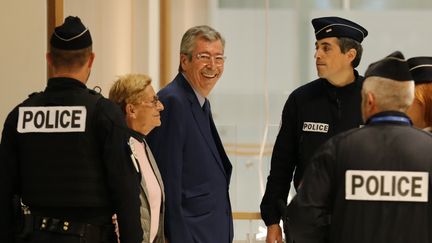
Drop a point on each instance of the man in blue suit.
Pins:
(194, 166)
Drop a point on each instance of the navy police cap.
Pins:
(394, 67)
(338, 27)
(421, 69)
(71, 35)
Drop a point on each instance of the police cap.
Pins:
(421, 69)
(394, 67)
(71, 35)
(338, 27)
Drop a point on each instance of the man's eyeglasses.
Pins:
(206, 58)
(154, 102)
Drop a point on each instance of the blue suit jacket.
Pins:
(195, 169)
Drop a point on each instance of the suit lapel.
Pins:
(202, 121)
(223, 156)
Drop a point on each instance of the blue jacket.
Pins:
(195, 169)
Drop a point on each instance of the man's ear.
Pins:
(183, 60)
(371, 102)
(351, 54)
(49, 59)
(91, 59)
(130, 111)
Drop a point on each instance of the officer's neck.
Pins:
(342, 79)
(80, 75)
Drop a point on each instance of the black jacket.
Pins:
(80, 176)
(312, 114)
(365, 185)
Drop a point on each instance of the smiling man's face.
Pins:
(203, 74)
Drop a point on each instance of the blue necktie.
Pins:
(206, 108)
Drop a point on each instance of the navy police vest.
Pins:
(60, 157)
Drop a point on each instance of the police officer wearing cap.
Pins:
(315, 112)
(370, 184)
(62, 153)
(420, 111)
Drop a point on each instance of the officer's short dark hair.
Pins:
(347, 44)
(70, 58)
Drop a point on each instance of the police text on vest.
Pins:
(407, 186)
(52, 119)
(315, 127)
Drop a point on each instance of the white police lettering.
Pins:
(49, 119)
(315, 127)
(373, 185)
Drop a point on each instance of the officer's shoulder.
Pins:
(427, 132)
(348, 135)
(34, 93)
(106, 104)
(32, 97)
(110, 110)
(94, 93)
(310, 88)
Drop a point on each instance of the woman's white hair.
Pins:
(389, 94)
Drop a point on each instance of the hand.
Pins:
(274, 234)
(115, 223)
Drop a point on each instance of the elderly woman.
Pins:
(141, 107)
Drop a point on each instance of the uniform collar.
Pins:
(389, 117)
(64, 83)
(352, 85)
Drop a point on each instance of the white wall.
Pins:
(23, 48)
(110, 23)
(184, 15)
(125, 37)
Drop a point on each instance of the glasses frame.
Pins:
(219, 60)
(154, 102)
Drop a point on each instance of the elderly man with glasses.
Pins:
(194, 166)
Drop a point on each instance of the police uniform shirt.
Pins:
(53, 117)
(367, 185)
(312, 114)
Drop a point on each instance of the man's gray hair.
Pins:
(188, 41)
(390, 95)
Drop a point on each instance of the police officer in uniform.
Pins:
(62, 153)
(370, 184)
(420, 111)
(315, 112)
